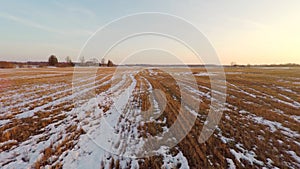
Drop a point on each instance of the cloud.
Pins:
(36, 25)
(81, 10)
(75, 9)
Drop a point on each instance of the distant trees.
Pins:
(52, 61)
(91, 62)
(102, 62)
(110, 63)
(94, 60)
(233, 64)
(68, 59)
(82, 59)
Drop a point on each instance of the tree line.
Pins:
(53, 61)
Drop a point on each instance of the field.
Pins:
(53, 118)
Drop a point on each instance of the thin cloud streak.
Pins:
(43, 27)
(76, 9)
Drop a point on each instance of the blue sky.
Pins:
(258, 31)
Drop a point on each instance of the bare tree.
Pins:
(82, 59)
(102, 62)
(110, 63)
(68, 59)
(52, 60)
(94, 60)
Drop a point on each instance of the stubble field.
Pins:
(50, 117)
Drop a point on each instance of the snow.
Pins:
(100, 138)
(269, 161)
(241, 90)
(287, 90)
(225, 139)
(243, 112)
(291, 102)
(32, 147)
(192, 111)
(87, 87)
(295, 117)
(34, 76)
(233, 73)
(275, 126)
(295, 156)
(204, 74)
(152, 72)
(231, 164)
(8, 142)
(294, 104)
(172, 161)
(3, 122)
(249, 156)
(102, 128)
(99, 142)
(26, 98)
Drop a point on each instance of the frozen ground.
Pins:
(53, 118)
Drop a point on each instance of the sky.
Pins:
(245, 32)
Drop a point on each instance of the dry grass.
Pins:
(268, 86)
